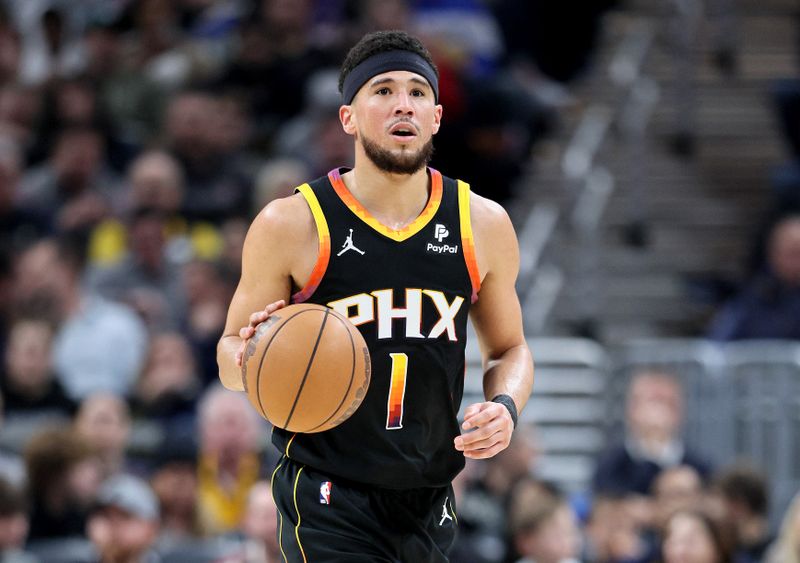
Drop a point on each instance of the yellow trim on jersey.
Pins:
(280, 516)
(324, 252)
(467, 239)
(297, 527)
(289, 444)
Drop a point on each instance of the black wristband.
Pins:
(508, 403)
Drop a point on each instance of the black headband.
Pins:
(385, 62)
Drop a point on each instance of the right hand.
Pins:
(245, 333)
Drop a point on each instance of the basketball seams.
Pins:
(308, 367)
(279, 386)
(264, 355)
(352, 374)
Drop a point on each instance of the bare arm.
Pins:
(497, 317)
(278, 249)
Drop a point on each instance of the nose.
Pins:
(404, 106)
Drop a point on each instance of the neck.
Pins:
(394, 199)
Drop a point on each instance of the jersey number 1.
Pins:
(397, 391)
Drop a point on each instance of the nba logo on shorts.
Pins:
(325, 492)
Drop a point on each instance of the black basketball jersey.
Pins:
(409, 293)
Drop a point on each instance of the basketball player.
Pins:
(406, 254)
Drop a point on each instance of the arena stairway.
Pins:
(674, 224)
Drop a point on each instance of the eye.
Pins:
(417, 93)
(382, 91)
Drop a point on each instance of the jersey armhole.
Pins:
(467, 239)
(324, 249)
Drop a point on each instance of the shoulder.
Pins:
(495, 240)
(488, 215)
(284, 213)
(282, 221)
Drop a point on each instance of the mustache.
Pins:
(405, 121)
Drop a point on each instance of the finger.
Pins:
(258, 317)
(487, 414)
(272, 307)
(485, 454)
(474, 437)
(486, 444)
(473, 409)
(246, 332)
(239, 355)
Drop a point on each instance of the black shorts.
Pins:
(322, 519)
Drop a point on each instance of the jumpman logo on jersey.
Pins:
(445, 513)
(348, 245)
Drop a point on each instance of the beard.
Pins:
(408, 163)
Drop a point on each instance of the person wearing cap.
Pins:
(407, 254)
(123, 525)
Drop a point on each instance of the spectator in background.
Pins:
(743, 494)
(482, 511)
(613, 533)
(542, 524)
(12, 466)
(786, 547)
(63, 477)
(14, 525)
(315, 137)
(169, 385)
(103, 421)
(278, 178)
(654, 416)
(146, 278)
(786, 177)
(259, 528)
(10, 50)
(123, 525)
(28, 383)
(693, 535)
(73, 188)
(74, 103)
(174, 481)
(51, 47)
(769, 304)
(20, 108)
(155, 184)
(229, 458)
(233, 233)
(675, 488)
(133, 101)
(18, 226)
(99, 345)
(215, 187)
(208, 288)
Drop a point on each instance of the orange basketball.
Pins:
(306, 368)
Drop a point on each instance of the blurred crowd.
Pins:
(138, 138)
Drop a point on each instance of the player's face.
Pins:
(394, 117)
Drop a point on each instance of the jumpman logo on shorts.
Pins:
(348, 245)
(445, 513)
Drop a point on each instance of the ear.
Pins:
(437, 118)
(348, 119)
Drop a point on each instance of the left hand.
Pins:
(491, 426)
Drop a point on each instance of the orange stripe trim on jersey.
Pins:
(397, 235)
(467, 239)
(324, 252)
